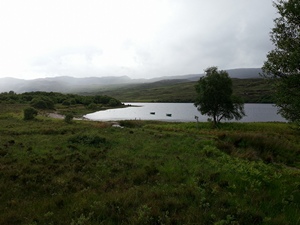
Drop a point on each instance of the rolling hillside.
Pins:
(247, 84)
(251, 90)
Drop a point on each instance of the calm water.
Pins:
(180, 112)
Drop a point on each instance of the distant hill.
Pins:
(245, 73)
(242, 73)
(63, 84)
(253, 90)
(66, 84)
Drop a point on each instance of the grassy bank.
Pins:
(147, 172)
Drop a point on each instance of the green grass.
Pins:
(148, 172)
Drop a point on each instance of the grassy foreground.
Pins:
(88, 172)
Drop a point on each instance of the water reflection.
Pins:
(184, 112)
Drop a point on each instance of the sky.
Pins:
(136, 38)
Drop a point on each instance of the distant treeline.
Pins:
(47, 100)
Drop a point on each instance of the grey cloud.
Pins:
(55, 62)
(199, 34)
(87, 51)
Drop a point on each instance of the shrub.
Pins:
(30, 113)
(92, 106)
(99, 99)
(73, 101)
(69, 118)
(92, 140)
(114, 102)
(131, 123)
(42, 103)
(66, 102)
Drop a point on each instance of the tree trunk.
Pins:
(215, 121)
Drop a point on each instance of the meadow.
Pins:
(148, 172)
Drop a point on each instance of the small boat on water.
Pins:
(169, 114)
(152, 113)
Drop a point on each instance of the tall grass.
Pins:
(148, 172)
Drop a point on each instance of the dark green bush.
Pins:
(93, 140)
(114, 102)
(42, 103)
(254, 146)
(73, 101)
(30, 113)
(69, 118)
(99, 99)
(131, 123)
(92, 106)
(66, 102)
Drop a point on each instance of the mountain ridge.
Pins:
(68, 84)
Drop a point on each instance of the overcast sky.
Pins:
(138, 38)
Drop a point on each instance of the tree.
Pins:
(114, 102)
(283, 63)
(42, 103)
(215, 97)
(30, 113)
(68, 118)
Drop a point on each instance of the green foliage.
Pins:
(215, 97)
(46, 100)
(66, 103)
(114, 102)
(131, 123)
(87, 139)
(149, 172)
(42, 103)
(283, 63)
(30, 113)
(68, 118)
(73, 101)
(77, 105)
(99, 99)
(269, 148)
(92, 106)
